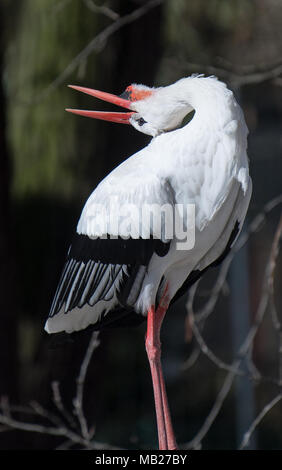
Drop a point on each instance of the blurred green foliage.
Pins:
(42, 138)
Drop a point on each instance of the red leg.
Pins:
(153, 348)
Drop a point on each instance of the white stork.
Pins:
(109, 278)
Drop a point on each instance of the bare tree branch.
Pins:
(253, 227)
(78, 401)
(74, 433)
(57, 427)
(274, 313)
(246, 345)
(103, 9)
(57, 399)
(96, 45)
(232, 75)
(258, 419)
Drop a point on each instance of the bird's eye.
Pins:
(141, 121)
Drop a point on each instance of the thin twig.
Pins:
(78, 400)
(234, 77)
(103, 9)
(246, 69)
(274, 314)
(192, 359)
(244, 348)
(42, 429)
(258, 419)
(54, 431)
(42, 412)
(57, 399)
(253, 227)
(96, 44)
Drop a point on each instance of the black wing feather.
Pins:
(95, 269)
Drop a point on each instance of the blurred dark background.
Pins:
(50, 162)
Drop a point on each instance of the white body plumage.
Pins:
(203, 163)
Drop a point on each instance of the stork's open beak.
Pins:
(122, 118)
